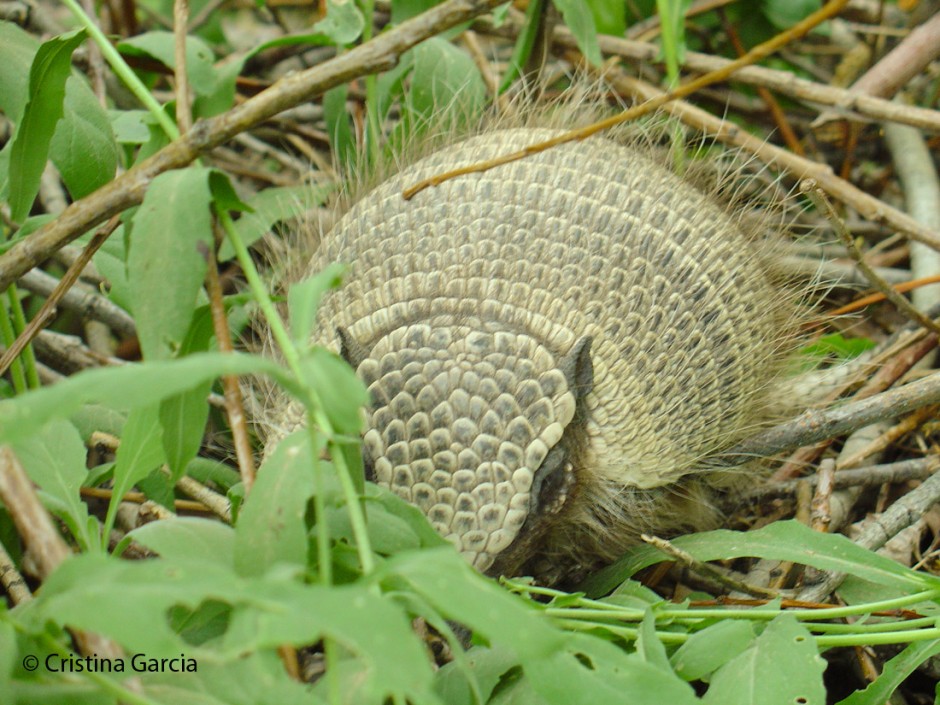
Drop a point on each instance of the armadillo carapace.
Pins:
(555, 348)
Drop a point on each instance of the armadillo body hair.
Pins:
(556, 349)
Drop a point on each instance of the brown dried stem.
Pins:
(234, 406)
(812, 191)
(48, 310)
(759, 52)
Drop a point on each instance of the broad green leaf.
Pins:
(610, 17)
(781, 666)
(580, 20)
(166, 264)
(255, 679)
(83, 147)
(394, 505)
(445, 84)
(51, 67)
(590, 670)
(17, 49)
(342, 25)
(129, 600)
(304, 297)
(406, 9)
(343, 22)
(139, 454)
(782, 540)
(55, 460)
(388, 534)
(271, 206)
(189, 537)
(8, 653)
(786, 13)
(340, 391)
(271, 527)
(894, 673)
(222, 95)
(130, 126)
(183, 416)
(160, 45)
(487, 666)
(125, 387)
(446, 581)
(709, 649)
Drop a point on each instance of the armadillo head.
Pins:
(470, 427)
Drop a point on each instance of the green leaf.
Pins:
(446, 86)
(183, 416)
(271, 527)
(837, 346)
(270, 206)
(255, 679)
(394, 505)
(55, 460)
(487, 666)
(340, 391)
(786, 13)
(125, 387)
(222, 96)
(610, 17)
(166, 264)
(140, 452)
(189, 537)
(782, 666)
(406, 9)
(648, 645)
(161, 46)
(447, 582)
(339, 125)
(83, 147)
(522, 49)
(30, 145)
(304, 297)
(782, 540)
(707, 650)
(894, 673)
(17, 50)
(590, 670)
(342, 25)
(580, 21)
(130, 126)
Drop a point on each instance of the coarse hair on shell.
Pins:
(605, 508)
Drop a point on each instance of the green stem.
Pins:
(9, 335)
(878, 627)
(123, 71)
(19, 325)
(315, 411)
(899, 637)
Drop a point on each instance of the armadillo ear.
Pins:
(577, 367)
(350, 349)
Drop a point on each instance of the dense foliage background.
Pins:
(149, 148)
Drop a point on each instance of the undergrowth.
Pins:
(319, 587)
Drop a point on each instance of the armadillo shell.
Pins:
(592, 240)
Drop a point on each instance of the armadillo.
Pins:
(556, 349)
